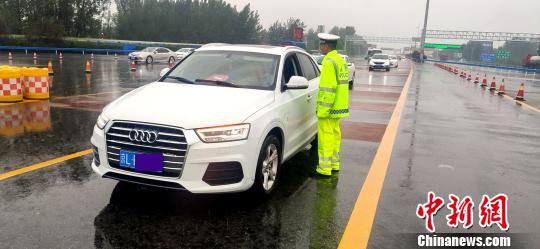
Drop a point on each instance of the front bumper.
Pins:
(379, 66)
(136, 58)
(198, 157)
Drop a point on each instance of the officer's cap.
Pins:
(327, 38)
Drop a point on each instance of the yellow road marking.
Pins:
(358, 228)
(37, 166)
(522, 103)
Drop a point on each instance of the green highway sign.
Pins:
(503, 54)
(443, 46)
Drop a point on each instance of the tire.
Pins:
(149, 60)
(261, 187)
(370, 69)
(171, 60)
(387, 69)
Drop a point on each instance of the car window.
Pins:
(162, 50)
(290, 68)
(307, 67)
(244, 69)
(380, 56)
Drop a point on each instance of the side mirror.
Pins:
(349, 64)
(155, 52)
(163, 72)
(297, 82)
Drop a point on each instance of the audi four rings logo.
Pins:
(143, 136)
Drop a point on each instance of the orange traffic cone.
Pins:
(469, 77)
(115, 56)
(60, 56)
(501, 88)
(456, 71)
(477, 79)
(133, 66)
(88, 68)
(91, 56)
(521, 93)
(484, 81)
(49, 66)
(493, 86)
(10, 57)
(34, 56)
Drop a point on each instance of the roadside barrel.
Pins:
(493, 85)
(521, 93)
(501, 88)
(37, 116)
(10, 84)
(35, 83)
(88, 67)
(484, 81)
(11, 120)
(50, 68)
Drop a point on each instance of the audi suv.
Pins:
(224, 119)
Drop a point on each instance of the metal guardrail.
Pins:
(71, 50)
(520, 69)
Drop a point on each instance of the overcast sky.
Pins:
(402, 18)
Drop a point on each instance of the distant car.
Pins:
(183, 52)
(350, 66)
(393, 61)
(380, 61)
(371, 52)
(150, 55)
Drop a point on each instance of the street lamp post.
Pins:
(423, 39)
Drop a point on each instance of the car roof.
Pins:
(266, 49)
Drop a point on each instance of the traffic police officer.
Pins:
(332, 104)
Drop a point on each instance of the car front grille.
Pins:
(378, 63)
(171, 143)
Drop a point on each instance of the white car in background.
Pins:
(350, 66)
(150, 55)
(379, 61)
(224, 119)
(183, 52)
(393, 61)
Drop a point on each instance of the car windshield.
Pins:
(372, 52)
(392, 57)
(380, 56)
(227, 68)
(319, 59)
(184, 50)
(150, 49)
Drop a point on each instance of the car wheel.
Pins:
(268, 167)
(370, 69)
(387, 69)
(149, 60)
(171, 60)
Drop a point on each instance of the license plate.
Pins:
(141, 162)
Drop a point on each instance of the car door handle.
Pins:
(309, 98)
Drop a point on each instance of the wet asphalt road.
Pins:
(456, 138)
(67, 206)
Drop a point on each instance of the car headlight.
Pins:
(386, 62)
(372, 63)
(102, 120)
(223, 133)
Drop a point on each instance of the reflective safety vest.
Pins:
(333, 95)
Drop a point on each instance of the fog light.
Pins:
(96, 155)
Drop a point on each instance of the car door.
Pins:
(293, 106)
(162, 54)
(310, 71)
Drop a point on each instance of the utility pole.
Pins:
(423, 39)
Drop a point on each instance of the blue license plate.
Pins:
(141, 162)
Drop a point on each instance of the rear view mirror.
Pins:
(297, 82)
(163, 72)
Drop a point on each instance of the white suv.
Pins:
(222, 120)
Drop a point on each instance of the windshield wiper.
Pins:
(218, 82)
(181, 79)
